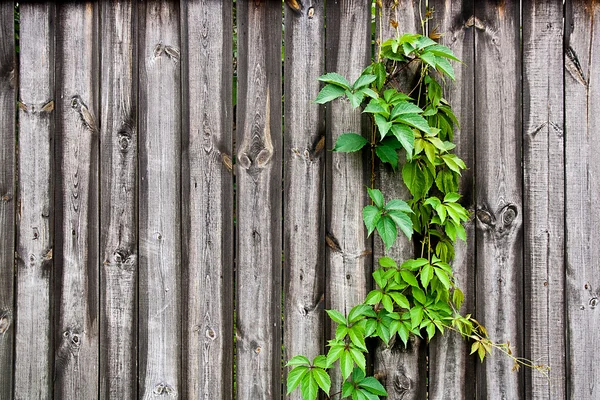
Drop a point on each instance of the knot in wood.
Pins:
(486, 218)
(164, 389)
(210, 333)
(124, 140)
(509, 214)
(5, 320)
(593, 302)
(402, 384)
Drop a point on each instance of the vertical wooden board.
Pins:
(8, 77)
(498, 185)
(349, 251)
(159, 200)
(304, 247)
(207, 200)
(259, 200)
(35, 207)
(543, 196)
(76, 190)
(118, 212)
(582, 116)
(451, 368)
(401, 369)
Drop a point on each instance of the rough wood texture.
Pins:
(451, 369)
(259, 200)
(8, 77)
(159, 200)
(118, 211)
(582, 96)
(304, 247)
(207, 200)
(543, 196)
(76, 194)
(499, 210)
(35, 207)
(349, 252)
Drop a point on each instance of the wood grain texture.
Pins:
(8, 80)
(76, 195)
(259, 198)
(543, 195)
(159, 200)
(304, 163)
(35, 207)
(582, 96)
(499, 211)
(118, 211)
(207, 200)
(349, 251)
(451, 369)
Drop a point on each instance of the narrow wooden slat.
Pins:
(402, 369)
(348, 254)
(582, 223)
(35, 207)
(304, 156)
(159, 200)
(118, 211)
(76, 194)
(499, 210)
(259, 208)
(207, 200)
(544, 195)
(8, 77)
(451, 369)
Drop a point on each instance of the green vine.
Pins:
(419, 296)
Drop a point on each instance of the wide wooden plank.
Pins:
(159, 200)
(498, 195)
(451, 369)
(402, 370)
(118, 211)
(207, 200)
(304, 163)
(8, 77)
(543, 195)
(258, 143)
(582, 116)
(76, 193)
(349, 252)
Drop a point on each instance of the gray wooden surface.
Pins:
(118, 199)
(451, 369)
(75, 294)
(258, 169)
(207, 200)
(543, 195)
(159, 370)
(8, 81)
(33, 372)
(582, 117)
(349, 252)
(304, 162)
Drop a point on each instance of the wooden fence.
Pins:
(139, 219)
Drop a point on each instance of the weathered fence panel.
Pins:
(8, 81)
(582, 172)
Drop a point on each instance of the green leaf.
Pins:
(309, 387)
(373, 297)
(458, 297)
(377, 197)
(451, 197)
(320, 361)
(450, 229)
(383, 125)
(357, 375)
(373, 386)
(405, 107)
(442, 51)
(405, 136)
(298, 360)
(398, 205)
(426, 275)
(444, 66)
(374, 107)
(387, 155)
(419, 295)
(443, 277)
(387, 230)
(346, 364)
(295, 377)
(414, 265)
(359, 358)
(349, 142)
(387, 262)
(416, 316)
(357, 312)
(336, 79)
(357, 337)
(386, 300)
(404, 333)
(399, 299)
(414, 120)
(323, 380)
(363, 394)
(328, 93)
(355, 98)
(368, 92)
(409, 278)
(347, 389)
(364, 81)
(403, 221)
(335, 352)
(371, 216)
(429, 58)
(336, 316)
(380, 73)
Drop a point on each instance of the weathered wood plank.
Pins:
(498, 187)
(304, 163)
(76, 193)
(543, 196)
(207, 200)
(8, 76)
(349, 251)
(582, 96)
(159, 200)
(259, 200)
(118, 213)
(451, 369)
(35, 207)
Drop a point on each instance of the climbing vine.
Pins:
(416, 296)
